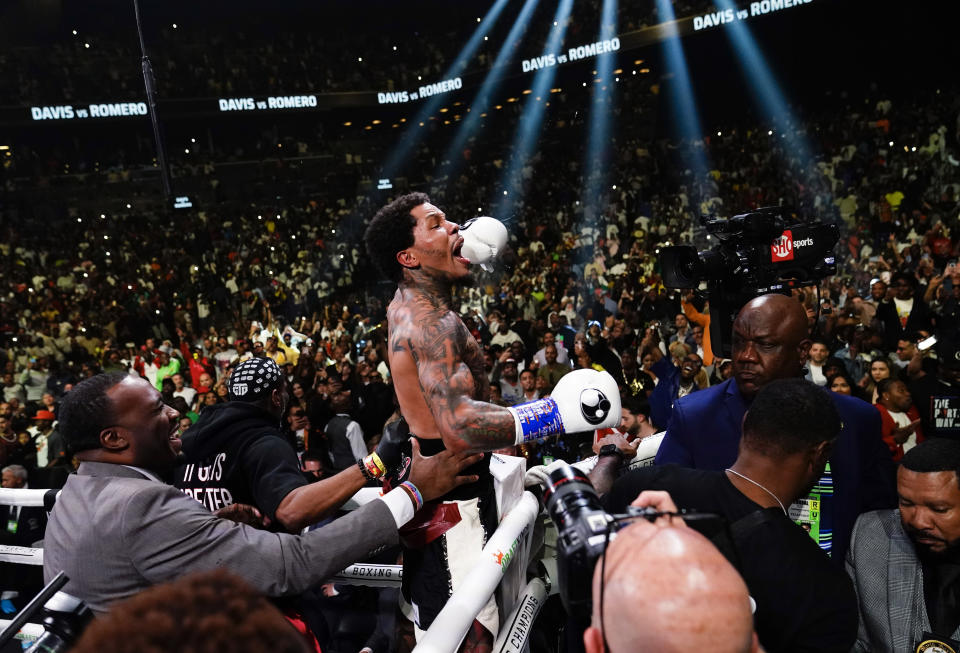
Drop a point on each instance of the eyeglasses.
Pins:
(634, 514)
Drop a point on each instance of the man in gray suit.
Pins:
(905, 563)
(118, 528)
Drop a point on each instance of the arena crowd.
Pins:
(183, 300)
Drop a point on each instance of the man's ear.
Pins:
(113, 439)
(821, 452)
(804, 349)
(593, 640)
(407, 259)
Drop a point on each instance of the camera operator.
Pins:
(665, 588)
(804, 602)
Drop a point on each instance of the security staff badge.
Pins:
(932, 644)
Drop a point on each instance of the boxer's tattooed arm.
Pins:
(441, 352)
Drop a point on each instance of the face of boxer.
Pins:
(436, 245)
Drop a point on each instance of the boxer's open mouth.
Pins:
(458, 248)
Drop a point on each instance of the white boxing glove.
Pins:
(483, 239)
(583, 400)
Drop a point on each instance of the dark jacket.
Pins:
(704, 433)
(236, 453)
(893, 330)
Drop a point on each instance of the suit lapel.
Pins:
(904, 591)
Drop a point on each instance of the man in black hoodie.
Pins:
(236, 453)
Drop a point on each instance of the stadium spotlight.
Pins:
(770, 98)
(602, 99)
(411, 135)
(531, 120)
(687, 126)
(452, 158)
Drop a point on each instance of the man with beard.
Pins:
(905, 563)
(444, 395)
(803, 601)
(635, 422)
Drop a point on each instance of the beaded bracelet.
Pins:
(413, 493)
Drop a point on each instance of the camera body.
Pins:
(757, 253)
(64, 619)
(584, 529)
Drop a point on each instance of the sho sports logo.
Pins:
(783, 248)
(240, 389)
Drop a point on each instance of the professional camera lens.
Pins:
(582, 525)
(568, 494)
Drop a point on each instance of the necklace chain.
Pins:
(750, 480)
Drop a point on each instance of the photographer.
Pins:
(663, 587)
(804, 602)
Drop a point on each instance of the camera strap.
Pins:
(729, 539)
(743, 526)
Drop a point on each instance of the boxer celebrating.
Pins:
(438, 373)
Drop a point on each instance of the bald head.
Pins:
(770, 342)
(668, 589)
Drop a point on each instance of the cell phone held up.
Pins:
(927, 343)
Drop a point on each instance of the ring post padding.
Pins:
(451, 625)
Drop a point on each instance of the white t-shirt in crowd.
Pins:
(816, 374)
(902, 419)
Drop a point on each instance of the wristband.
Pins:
(372, 467)
(414, 494)
(537, 419)
(375, 465)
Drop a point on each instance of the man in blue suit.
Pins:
(771, 341)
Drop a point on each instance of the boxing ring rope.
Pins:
(25, 498)
(451, 625)
(28, 632)
(370, 575)
(454, 620)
